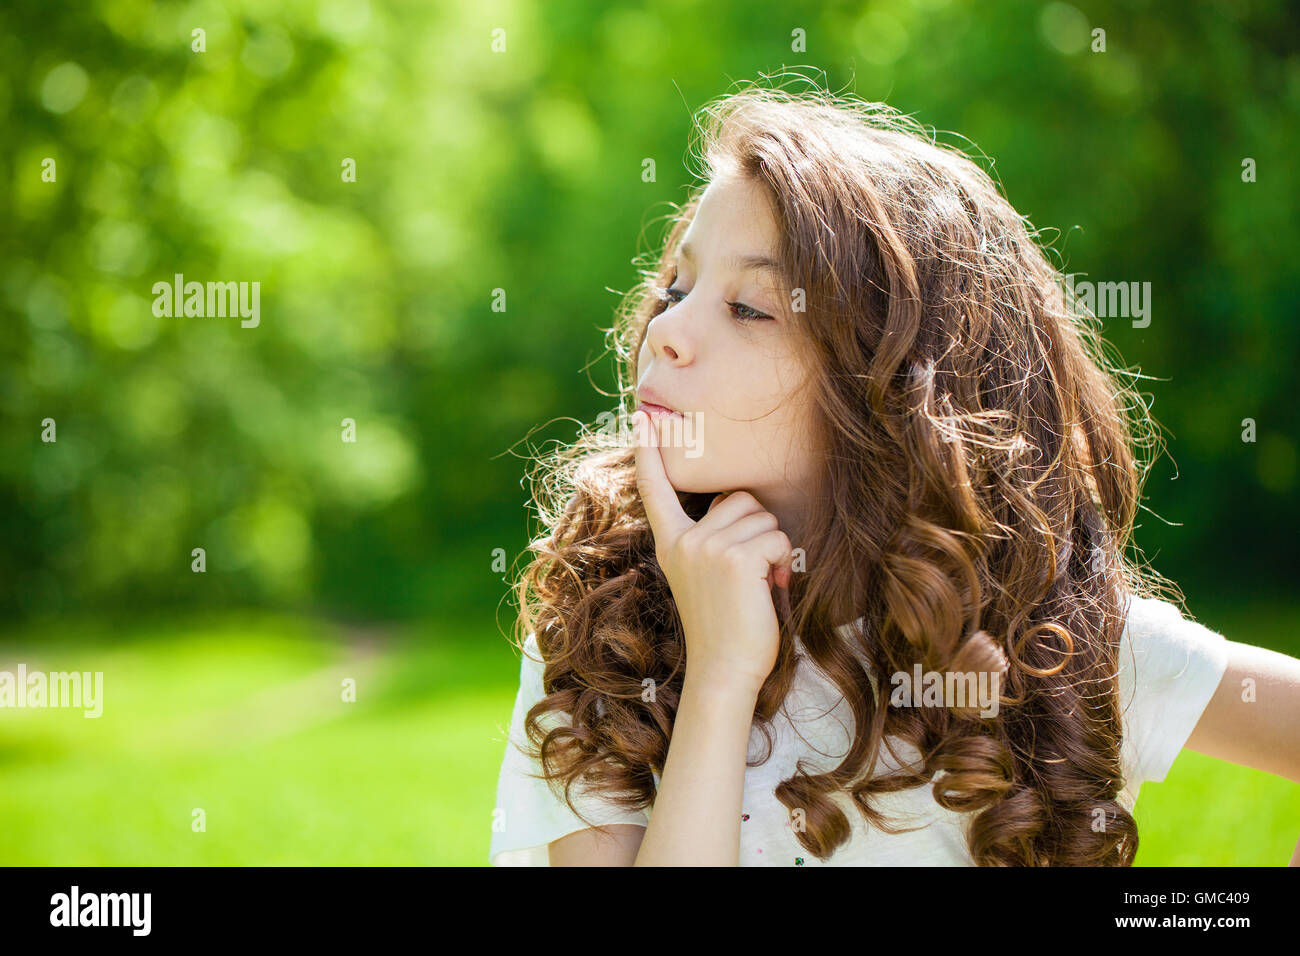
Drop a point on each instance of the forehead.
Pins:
(734, 217)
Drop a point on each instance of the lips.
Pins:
(658, 411)
(654, 403)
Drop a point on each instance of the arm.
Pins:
(1263, 733)
(721, 570)
(696, 816)
(589, 847)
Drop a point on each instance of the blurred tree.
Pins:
(381, 169)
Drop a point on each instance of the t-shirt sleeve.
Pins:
(1169, 668)
(529, 813)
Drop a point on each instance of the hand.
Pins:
(720, 570)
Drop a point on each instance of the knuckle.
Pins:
(735, 557)
(711, 548)
(692, 549)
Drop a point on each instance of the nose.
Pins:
(667, 335)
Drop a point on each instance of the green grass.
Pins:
(242, 717)
(246, 722)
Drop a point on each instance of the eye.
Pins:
(741, 312)
(753, 314)
(668, 294)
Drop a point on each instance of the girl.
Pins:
(882, 443)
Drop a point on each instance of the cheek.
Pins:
(760, 401)
(765, 433)
(789, 432)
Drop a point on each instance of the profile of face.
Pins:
(724, 354)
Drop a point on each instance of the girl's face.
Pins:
(724, 355)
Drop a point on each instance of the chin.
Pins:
(689, 475)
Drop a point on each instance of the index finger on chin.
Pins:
(657, 493)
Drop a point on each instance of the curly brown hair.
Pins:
(981, 479)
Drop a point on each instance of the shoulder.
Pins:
(532, 686)
(531, 663)
(1169, 668)
(1159, 641)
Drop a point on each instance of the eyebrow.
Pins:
(743, 263)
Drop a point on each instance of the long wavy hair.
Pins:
(980, 483)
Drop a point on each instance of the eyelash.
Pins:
(666, 293)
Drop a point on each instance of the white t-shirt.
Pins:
(1169, 669)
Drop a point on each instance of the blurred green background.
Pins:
(500, 146)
